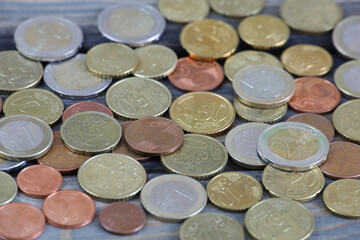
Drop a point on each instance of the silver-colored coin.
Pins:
(132, 23)
(241, 143)
(48, 38)
(71, 79)
(172, 197)
(347, 78)
(9, 166)
(8, 188)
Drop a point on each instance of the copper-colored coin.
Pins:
(69, 209)
(61, 158)
(317, 121)
(122, 218)
(193, 75)
(86, 106)
(39, 181)
(123, 147)
(343, 161)
(316, 95)
(154, 136)
(21, 221)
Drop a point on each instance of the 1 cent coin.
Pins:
(85, 106)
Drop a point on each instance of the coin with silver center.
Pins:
(347, 78)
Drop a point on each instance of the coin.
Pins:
(111, 60)
(264, 31)
(132, 23)
(246, 58)
(293, 146)
(184, 11)
(9, 166)
(71, 79)
(90, 133)
(154, 136)
(342, 198)
(69, 209)
(48, 38)
(279, 218)
(343, 161)
(134, 98)
(211, 226)
(155, 61)
(199, 157)
(346, 78)
(209, 39)
(192, 75)
(241, 143)
(306, 60)
(36, 102)
(317, 121)
(172, 197)
(234, 191)
(35, 141)
(345, 37)
(313, 17)
(85, 106)
(111, 177)
(346, 120)
(122, 218)
(202, 112)
(237, 8)
(8, 189)
(263, 86)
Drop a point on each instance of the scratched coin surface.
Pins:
(234, 191)
(172, 197)
(8, 188)
(85, 106)
(346, 120)
(111, 177)
(198, 157)
(9, 166)
(345, 37)
(135, 98)
(90, 133)
(347, 78)
(211, 226)
(184, 11)
(279, 218)
(237, 8)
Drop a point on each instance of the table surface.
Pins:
(84, 13)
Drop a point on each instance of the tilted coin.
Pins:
(72, 79)
(90, 133)
(9, 166)
(132, 23)
(135, 98)
(346, 38)
(347, 79)
(8, 188)
(48, 38)
(237, 8)
(184, 11)
(346, 120)
(85, 106)
(199, 157)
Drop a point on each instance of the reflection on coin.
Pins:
(211, 226)
(132, 23)
(172, 197)
(48, 38)
(346, 120)
(184, 11)
(346, 37)
(85, 106)
(347, 78)
(279, 218)
(237, 8)
(71, 79)
(241, 143)
(9, 166)
(8, 188)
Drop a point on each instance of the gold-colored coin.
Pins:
(155, 61)
(111, 177)
(264, 31)
(8, 188)
(237, 8)
(310, 16)
(36, 102)
(209, 39)
(234, 191)
(306, 60)
(299, 186)
(342, 197)
(198, 157)
(346, 78)
(346, 120)
(246, 58)
(90, 133)
(202, 112)
(184, 11)
(111, 60)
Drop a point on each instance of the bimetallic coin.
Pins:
(202, 112)
(132, 23)
(71, 79)
(279, 218)
(241, 143)
(184, 11)
(8, 188)
(234, 191)
(135, 98)
(347, 78)
(90, 133)
(48, 38)
(9, 166)
(199, 157)
(85, 106)
(237, 8)
(346, 120)
(346, 37)
(173, 197)
(293, 146)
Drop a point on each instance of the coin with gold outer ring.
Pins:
(346, 80)
(346, 120)
(184, 11)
